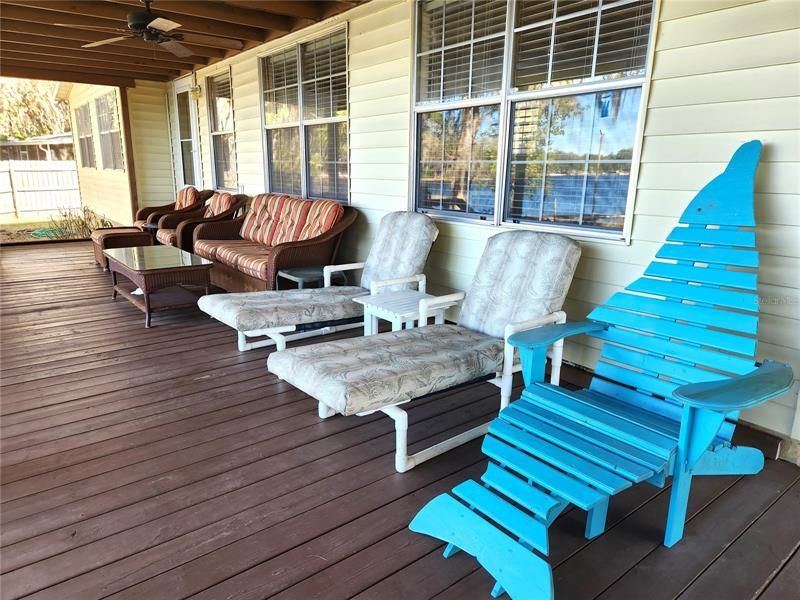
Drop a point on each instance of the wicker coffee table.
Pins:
(162, 275)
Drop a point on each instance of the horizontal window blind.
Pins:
(108, 129)
(460, 50)
(570, 152)
(305, 118)
(221, 97)
(83, 127)
(280, 87)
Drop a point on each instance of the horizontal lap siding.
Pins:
(105, 191)
(380, 70)
(155, 178)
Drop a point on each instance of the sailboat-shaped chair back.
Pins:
(693, 315)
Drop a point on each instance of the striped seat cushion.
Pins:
(219, 203)
(261, 220)
(322, 216)
(210, 248)
(186, 197)
(168, 237)
(231, 254)
(254, 265)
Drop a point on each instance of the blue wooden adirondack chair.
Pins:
(676, 367)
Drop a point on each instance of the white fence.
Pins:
(38, 188)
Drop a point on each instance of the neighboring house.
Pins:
(55, 146)
(449, 116)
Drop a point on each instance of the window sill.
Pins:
(577, 234)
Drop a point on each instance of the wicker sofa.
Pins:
(277, 232)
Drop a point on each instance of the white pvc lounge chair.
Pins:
(521, 283)
(396, 259)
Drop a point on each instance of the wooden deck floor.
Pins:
(163, 463)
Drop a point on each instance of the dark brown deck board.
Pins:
(163, 463)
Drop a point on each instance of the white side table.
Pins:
(396, 307)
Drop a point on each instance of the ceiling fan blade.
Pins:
(94, 28)
(212, 41)
(176, 48)
(162, 24)
(108, 41)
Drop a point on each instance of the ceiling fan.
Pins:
(146, 25)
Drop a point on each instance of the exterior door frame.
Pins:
(185, 85)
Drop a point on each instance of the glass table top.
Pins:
(151, 258)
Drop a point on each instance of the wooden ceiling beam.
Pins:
(26, 72)
(54, 67)
(66, 62)
(220, 12)
(303, 9)
(12, 50)
(22, 20)
(110, 11)
(46, 45)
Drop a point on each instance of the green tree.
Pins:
(29, 108)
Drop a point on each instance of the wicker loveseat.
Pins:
(277, 232)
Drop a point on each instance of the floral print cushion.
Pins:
(401, 247)
(522, 275)
(368, 373)
(251, 311)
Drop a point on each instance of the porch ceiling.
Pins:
(38, 38)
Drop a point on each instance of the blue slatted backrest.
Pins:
(693, 315)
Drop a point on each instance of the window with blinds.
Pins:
(108, 131)
(305, 118)
(83, 130)
(560, 80)
(221, 127)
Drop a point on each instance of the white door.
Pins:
(185, 135)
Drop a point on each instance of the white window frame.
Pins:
(302, 123)
(506, 97)
(211, 113)
(180, 86)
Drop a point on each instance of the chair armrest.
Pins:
(554, 318)
(545, 336)
(328, 270)
(219, 230)
(426, 305)
(419, 279)
(172, 220)
(768, 381)
(144, 213)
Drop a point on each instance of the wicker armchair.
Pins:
(320, 250)
(152, 214)
(185, 222)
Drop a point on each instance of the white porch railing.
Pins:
(38, 188)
